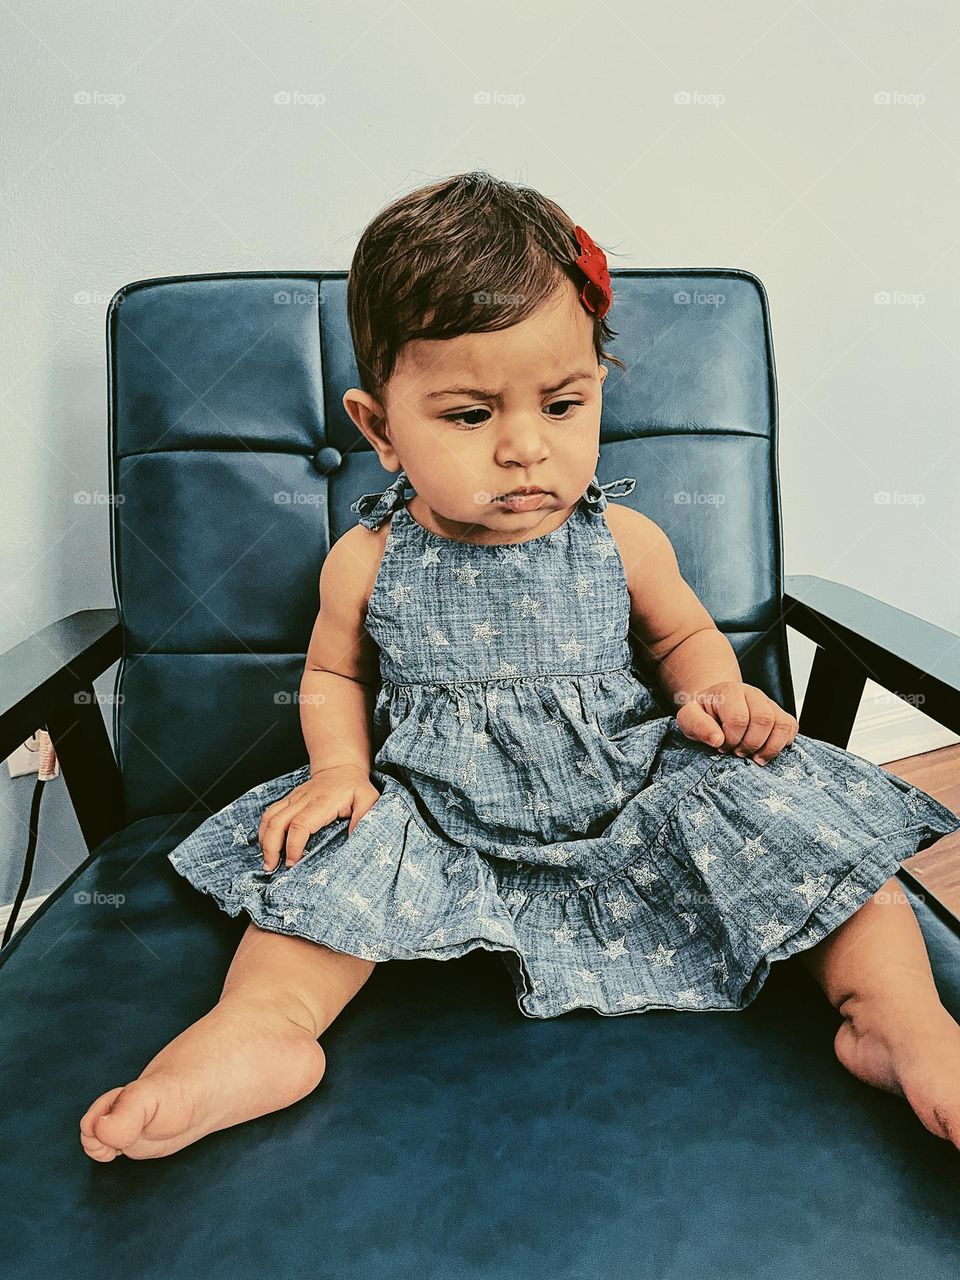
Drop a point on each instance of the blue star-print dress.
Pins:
(537, 802)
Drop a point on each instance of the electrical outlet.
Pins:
(26, 759)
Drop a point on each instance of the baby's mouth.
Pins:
(522, 500)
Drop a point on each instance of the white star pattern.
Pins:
(809, 888)
(644, 874)
(605, 549)
(702, 857)
(467, 574)
(430, 556)
(240, 835)
(527, 605)
(616, 948)
(408, 911)
(620, 908)
(699, 816)
(630, 836)
(571, 648)
(485, 631)
(829, 836)
(515, 557)
(773, 931)
(663, 955)
(859, 790)
(563, 934)
(401, 593)
(775, 804)
(437, 639)
(752, 848)
(586, 975)
(689, 996)
(583, 586)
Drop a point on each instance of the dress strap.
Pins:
(596, 493)
(373, 508)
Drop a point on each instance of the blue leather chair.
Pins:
(451, 1138)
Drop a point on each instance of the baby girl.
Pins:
(491, 764)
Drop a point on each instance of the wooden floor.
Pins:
(937, 868)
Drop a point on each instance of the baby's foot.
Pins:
(917, 1057)
(240, 1060)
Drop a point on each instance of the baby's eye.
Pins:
(561, 404)
(460, 419)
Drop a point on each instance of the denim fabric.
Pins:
(536, 802)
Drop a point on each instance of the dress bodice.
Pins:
(443, 611)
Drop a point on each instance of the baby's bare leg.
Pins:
(254, 1052)
(896, 1033)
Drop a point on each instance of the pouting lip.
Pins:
(516, 493)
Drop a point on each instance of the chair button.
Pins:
(327, 460)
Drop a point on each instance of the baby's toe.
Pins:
(118, 1118)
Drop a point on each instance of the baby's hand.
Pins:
(753, 725)
(339, 792)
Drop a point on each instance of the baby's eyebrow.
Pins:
(478, 393)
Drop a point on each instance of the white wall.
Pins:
(794, 172)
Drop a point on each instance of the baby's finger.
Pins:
(274, 831)
(312, 817)
(782, 734)
(698, 725)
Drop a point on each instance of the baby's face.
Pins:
(472, 418)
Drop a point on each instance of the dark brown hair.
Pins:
(469, 254)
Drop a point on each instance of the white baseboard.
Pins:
(27, 908)
(887, 728)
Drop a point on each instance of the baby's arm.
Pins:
(341, 671)
(681, 645)
(337, 694)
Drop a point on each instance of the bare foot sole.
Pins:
(237, 1062)
(920, 1063)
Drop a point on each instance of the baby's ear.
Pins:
(603, 372)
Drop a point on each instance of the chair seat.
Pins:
(451, 1136)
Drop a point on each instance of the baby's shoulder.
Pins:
(632, 530)
(353, 562)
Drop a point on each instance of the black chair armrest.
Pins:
(857, 638)
(47, 681)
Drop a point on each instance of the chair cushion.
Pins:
(451, 1137)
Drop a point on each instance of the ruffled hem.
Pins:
(549, 941)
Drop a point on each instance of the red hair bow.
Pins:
(597, 294)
